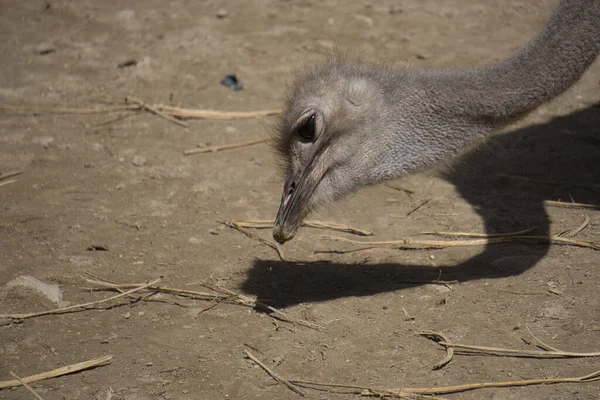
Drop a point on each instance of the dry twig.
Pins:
(570, 205)
(69, 369)
(51, 110)
(423, 393)
(8, 182)
(479, 235)
(549, 352)
(212, 114)
(237, 145)
(166, 111)
(359, 390)
(154, 110)
(267, 224)
(115, 119)
(274, 246)
(463, 388)
(400, 189)
(549, 182)
(421, 244)
(273, 375)
(11, 174)
(222, 295)
(440, 244)
(560, 240)
(26, 385)
(418, 207)
(257, 304)
(78, 307)
(437, 337)
(541, 344)
(573, 232)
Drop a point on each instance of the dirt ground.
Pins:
(127, 186)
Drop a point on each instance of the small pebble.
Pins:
(277, 360)
(127, 315)
(127, 63)
(367, 20)
(139, 161)
(44, 49)
(232, 82)
(222, 13)
(396, 9)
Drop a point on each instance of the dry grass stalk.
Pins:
(473, 386)
(496, 351)
(573, 232)
(115, 119)
(449, 349)
(549, 182)
(211, 114)
(360, 390)
(275, 313)
(421, 244)
(27, 386)
(541, 344)
(213, 303)
(549, 351)
(251, 235)
(570, 205)
(154, 110)
(440, 244)
(418, 207)
(267, 224)
(273, 375)
(51, 110)
(179, 292)
(222, 295)
(69, 369)
(11, 174)
(168, 112)
(230, 146)
(430, 392)
(479, 235)
(78, 307)
(400, 189)
(8, 182)
(560, 240)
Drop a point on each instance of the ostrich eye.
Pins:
(306, 131)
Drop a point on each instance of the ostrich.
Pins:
(348, 124)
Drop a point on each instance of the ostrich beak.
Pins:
(295, 200)
(293, 206)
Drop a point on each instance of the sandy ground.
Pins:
(127, 186)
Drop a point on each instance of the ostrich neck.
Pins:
(547, 66)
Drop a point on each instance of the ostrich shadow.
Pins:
(565, 151)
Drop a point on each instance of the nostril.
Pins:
(289, 194)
